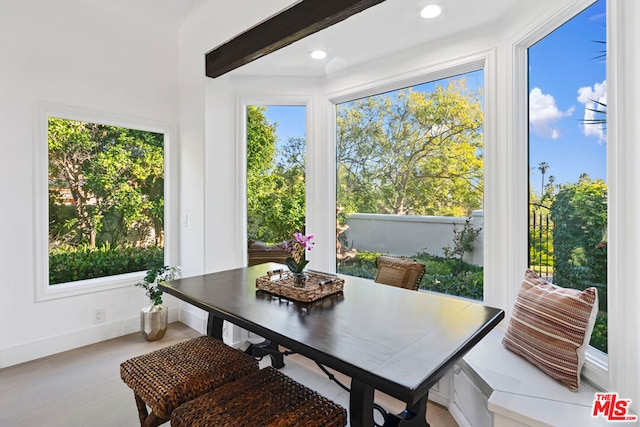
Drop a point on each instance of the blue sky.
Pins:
(291, 120)
(563, 77)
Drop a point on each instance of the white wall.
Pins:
(99, 55)
(211, 192)
(221, 243)
(408, 235)
(88, 54)
(213, 239)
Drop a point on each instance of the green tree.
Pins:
(542, 167)
(261, 146)
(464, 241)
(276, 194)
(115, 177)
(412, 153)
(72, 145)
(579, 214)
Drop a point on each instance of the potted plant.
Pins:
(153, 319)
(296, 263)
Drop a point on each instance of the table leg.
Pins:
(214, 326)
(360, 404)
(413, 416)
(361, 409)
(271, 348)
(214, 329)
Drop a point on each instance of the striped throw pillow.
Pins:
(551, 327)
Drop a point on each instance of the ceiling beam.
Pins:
(297, 22)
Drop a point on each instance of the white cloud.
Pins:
(544, 114)
(588, 96)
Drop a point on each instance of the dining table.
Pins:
(395, 340)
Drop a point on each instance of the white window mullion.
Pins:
(623, 127)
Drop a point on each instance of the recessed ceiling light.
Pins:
(318, 54)
(431, 11)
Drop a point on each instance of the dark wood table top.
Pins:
(395, 340)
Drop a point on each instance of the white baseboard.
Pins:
(193, 317)
(48, 346)
(196, 319)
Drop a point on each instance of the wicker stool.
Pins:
(265, 398)
(166, 378)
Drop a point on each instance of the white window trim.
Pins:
(595, 369)
(623, 155)
(44, 110)
(242, 102)
(482, 60)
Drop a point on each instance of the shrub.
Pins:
(599, 335)
(69, 265)
(464, 241)
(579, 214)
(444, 275)
(364, 265)
(448, 276)
(465, 284)
(452, 277)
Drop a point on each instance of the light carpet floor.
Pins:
(82, 387)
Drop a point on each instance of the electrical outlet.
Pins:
(99, 315)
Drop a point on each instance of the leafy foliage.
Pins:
(106, 200)
(600, 333)
(155, 276)
(579, 214)
(88, 263)
(115, 177)
(414, 153)
(444, 275)
(464, 241)
(276, 193)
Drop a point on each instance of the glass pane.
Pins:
(568, 157)
(410, 182)
(276, 193)
(106, 200)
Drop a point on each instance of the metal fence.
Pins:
(541, 258)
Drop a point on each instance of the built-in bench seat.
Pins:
(516, 393)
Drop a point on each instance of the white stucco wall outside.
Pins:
(409, 235)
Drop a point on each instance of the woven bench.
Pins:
(266, 398)
(166, 378)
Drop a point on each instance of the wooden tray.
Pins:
(319, 285)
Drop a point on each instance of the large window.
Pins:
(106, 198)
(410, 182)
(568, 156)
(276, 185)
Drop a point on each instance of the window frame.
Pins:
(243, 101)
(455, 72)
(44, 291)
(482, 60)
(596, 367)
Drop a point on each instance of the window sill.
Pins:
(81, 287)
(596, 369)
